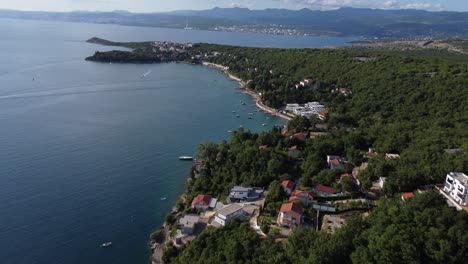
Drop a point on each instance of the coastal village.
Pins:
(336, 189)
(320, 207)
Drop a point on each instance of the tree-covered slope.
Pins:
(412, 104)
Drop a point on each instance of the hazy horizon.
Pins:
(148, 6)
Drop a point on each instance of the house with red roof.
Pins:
(263, 147)
(406, 196)
(288, 186)
(335, 162)
(304, 197)
(323, 115)
(290, 215)
(201, 202)
(301, 136)
(323, 190)
(294, 151)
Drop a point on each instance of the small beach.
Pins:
(243, 86)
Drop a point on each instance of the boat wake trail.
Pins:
(76, 91)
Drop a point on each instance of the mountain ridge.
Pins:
(366, 22)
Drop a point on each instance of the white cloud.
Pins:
(382, 4)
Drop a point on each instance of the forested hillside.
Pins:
(412, 104)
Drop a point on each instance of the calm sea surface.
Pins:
(88, 150)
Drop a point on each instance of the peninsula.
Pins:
(366, 171)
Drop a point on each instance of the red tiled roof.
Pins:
(301, 136)
(300, 192)
(263, 147)
(202, 199)
(293, 148)
(287, 207)
(335, 162)
(344, 175)
(407, 195)
(288, 184)
(325, 189)
(293, 199)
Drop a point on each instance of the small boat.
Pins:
(233, 111)
(185, 158)
(229, 131)
(243, 103)
(240, 126)
(237, 115)
(163, 199)
(107, 244)
(250, 117)
(264, 124)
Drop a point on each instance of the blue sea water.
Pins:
(88, 150)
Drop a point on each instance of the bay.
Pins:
(88, 151)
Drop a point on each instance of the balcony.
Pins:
(447, 186)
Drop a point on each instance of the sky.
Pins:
(171, 5)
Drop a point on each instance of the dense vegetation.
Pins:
(242, 162)
(422, 230)
(408, 104)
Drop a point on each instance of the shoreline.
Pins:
(157, 248)
(244, 89)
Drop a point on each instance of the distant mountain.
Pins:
(351, 21)
(123, 18)
(340, 22)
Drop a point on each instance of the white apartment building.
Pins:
(291, 107)
(456, 185)
(308, 110)
(315, 107)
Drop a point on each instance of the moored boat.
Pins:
(107, 244)
(185, 158)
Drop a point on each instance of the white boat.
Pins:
(229, 131)
(237, 115)
(107, 244)
(163, 199)
(185, 158)
(264, 124)
(146, 74)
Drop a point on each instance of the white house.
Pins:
(382, 182)
(456, 185)
(228, 213)
(239, 193)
